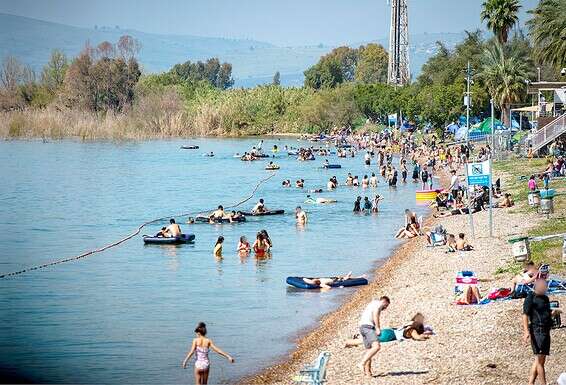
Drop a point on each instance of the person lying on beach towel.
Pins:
(470, 295)
(415, 330)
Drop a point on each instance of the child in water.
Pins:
(243, 246)
(200, 348)
(218, 247)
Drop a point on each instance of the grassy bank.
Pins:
(514, 175)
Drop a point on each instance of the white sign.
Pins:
(479, 174)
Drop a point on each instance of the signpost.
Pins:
(479, 174)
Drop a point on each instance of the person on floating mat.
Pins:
(161, 233)
(217, 214)
(319, 200)
(415, 330)
(173, 230)
(259, 207)
(325, 282)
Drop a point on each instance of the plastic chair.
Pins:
(315, 374)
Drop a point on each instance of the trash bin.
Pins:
(520, 248)
(547, 205)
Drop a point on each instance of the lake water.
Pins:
(127, 315)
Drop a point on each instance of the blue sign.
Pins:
(479, 174)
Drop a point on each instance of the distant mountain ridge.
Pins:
(254, 62)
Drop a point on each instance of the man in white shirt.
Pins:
(370, 329)
(454, 184)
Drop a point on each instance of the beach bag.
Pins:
(556, 320)
(522, 290)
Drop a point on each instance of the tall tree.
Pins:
(12, 73)
(372, 64)
(53, 73)
(548, 31)
(505, 78)
(501, 16)
(276, 79)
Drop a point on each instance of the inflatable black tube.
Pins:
(184, 238)
(270, 212)
(299, 283)
(187, 147)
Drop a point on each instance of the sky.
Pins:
(282, 22)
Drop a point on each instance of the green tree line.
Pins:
(346, 88)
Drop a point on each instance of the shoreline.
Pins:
(469, 341)
(314, 338)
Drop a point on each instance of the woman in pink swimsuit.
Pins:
(200, 348)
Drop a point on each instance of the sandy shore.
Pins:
(473, 345)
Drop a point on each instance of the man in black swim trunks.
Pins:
(537, 322)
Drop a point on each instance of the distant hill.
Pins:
(254, 62)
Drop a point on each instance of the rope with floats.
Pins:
(130, 236)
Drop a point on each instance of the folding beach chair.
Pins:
(314, 374)
(464, 278)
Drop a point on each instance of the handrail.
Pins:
(549, 132)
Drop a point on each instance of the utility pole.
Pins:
(491, 170)
(468, 102)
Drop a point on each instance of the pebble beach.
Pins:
(473, 344)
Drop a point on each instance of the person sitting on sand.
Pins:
(173, 230)
(217, 214)
(527, 277)
(300, 216)
(218, 247)
(441, 201)
(415, 330)
(470, 295)
(507, 201)
(243, 247)
(451, 242)
(411, 228)
(325, 282)
(259, 207)
(462, 245)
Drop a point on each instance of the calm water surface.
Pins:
(127, 315)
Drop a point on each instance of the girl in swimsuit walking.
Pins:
(200, 347)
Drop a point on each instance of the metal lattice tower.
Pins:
(398, 69)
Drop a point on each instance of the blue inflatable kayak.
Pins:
(184, 238)
(331, 166)
(301, 284)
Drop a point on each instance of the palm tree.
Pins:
(501, 16)
(548, 30)
(505, 78)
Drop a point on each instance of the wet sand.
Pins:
(472, 345)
